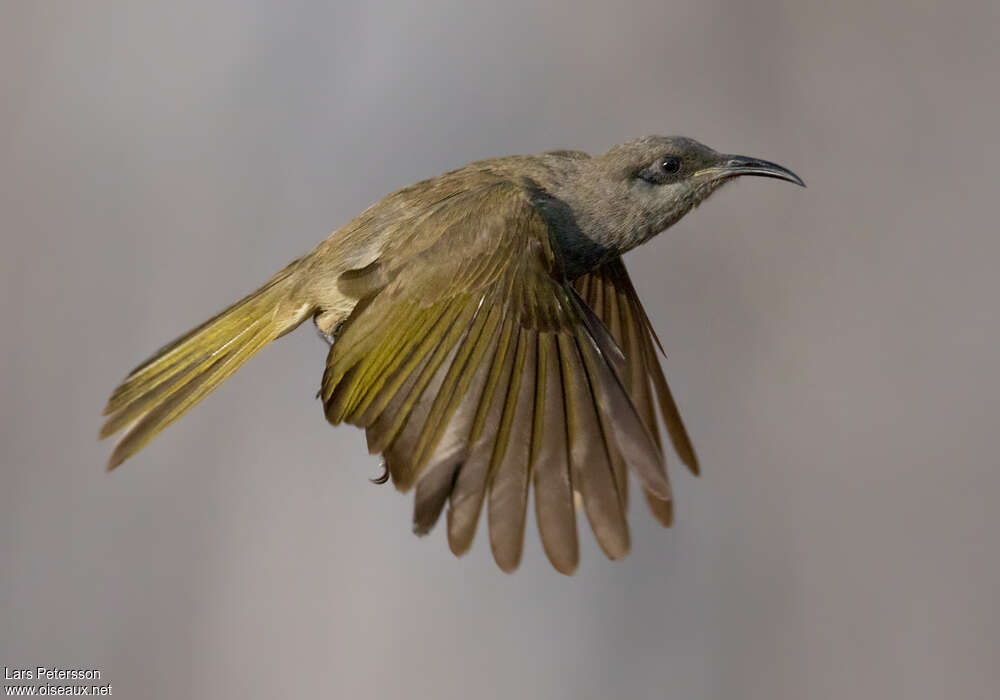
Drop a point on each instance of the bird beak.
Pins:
(732, 166)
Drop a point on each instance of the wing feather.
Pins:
(477, 371)
(609, 291)
(508, 499)
(449, 444)
(589, 461)
(470, 487)
(554, 507)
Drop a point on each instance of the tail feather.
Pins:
(182, 373)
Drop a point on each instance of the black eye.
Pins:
(671, 165)
(661, 171)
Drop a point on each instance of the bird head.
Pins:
(637, 189)
(664, 177)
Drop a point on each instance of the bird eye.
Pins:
(671, 165)
(660, 171)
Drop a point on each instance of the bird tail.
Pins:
(181, 374)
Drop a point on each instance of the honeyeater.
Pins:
(485, 333)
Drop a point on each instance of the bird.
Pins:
(484, 331)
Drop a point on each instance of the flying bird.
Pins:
(485, 333)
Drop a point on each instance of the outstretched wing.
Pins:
(477, 371)
(609, 292)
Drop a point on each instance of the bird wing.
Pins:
(477, 371)
(609, 292)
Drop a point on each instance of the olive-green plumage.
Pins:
(486, 335)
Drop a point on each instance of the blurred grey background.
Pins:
(833, 350)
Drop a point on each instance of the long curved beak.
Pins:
(733, 166)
